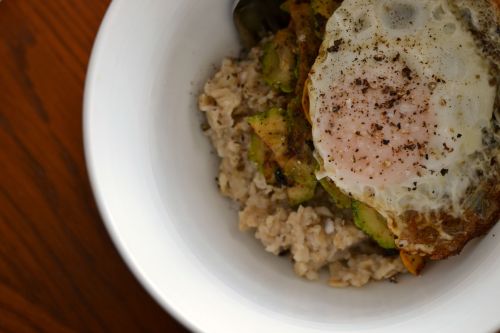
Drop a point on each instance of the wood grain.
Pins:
(59, 271)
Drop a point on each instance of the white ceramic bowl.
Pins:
(153, 175)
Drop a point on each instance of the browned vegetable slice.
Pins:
(307, 41)
(340, 200)
(261, 155)
(373, 224)
(305, 101)
(413, 262)
(272, 128)
(278, 61)
(276, 129)
(325, 8)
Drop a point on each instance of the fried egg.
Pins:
(403, 109)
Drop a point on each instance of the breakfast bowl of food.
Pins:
(302, 166)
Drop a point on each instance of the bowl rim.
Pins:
(90, 77)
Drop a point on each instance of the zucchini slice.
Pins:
(278, 61)
(373, 224)
(340, 200)
(261, 155)
(274, 129)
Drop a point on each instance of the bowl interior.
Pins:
(153, 173)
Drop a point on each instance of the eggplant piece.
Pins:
(255, 19)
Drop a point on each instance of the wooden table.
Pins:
(59, 271)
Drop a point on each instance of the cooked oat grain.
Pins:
(317, 237)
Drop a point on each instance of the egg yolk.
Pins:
(374, 122)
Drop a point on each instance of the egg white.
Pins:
(428, 37)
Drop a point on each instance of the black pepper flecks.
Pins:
(388, 96)
(336, 46)
(407, 73)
